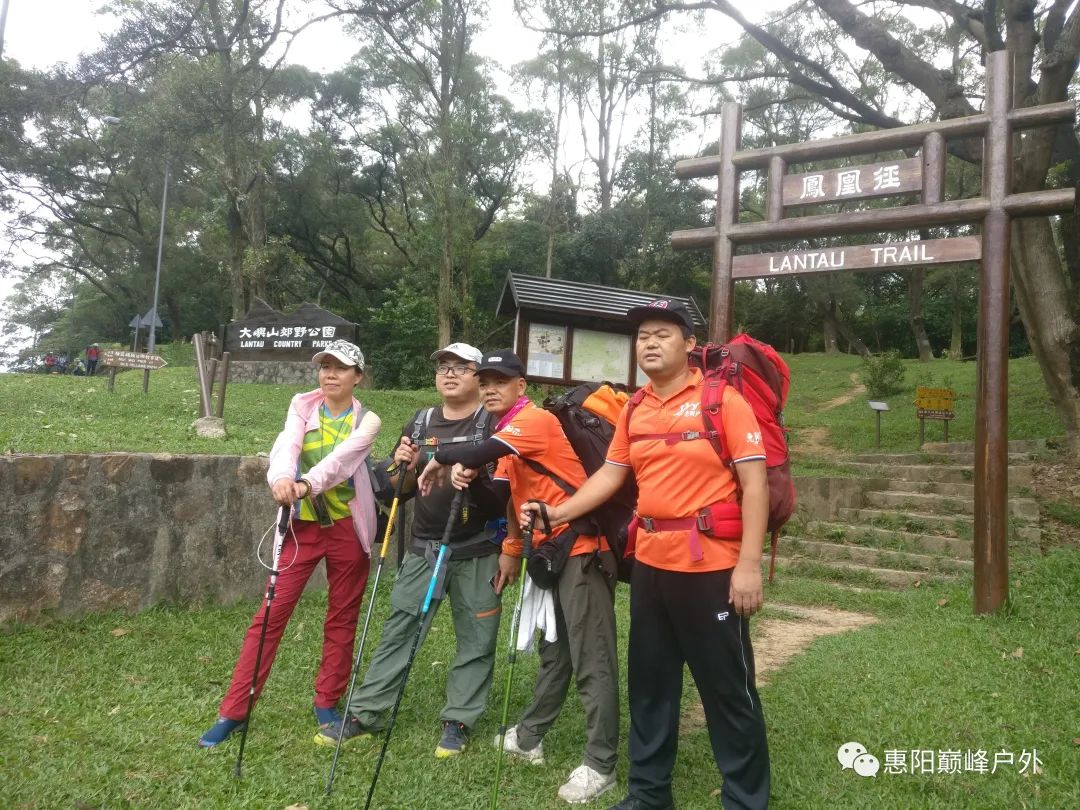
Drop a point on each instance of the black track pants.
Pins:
(675, 618)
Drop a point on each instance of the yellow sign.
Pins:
(934, 403)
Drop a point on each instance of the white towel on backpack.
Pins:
(537, 613)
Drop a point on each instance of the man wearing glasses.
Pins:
(470, 576)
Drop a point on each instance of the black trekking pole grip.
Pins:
(455, 512)
(527, 536)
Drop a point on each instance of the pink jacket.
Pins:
(346, 460)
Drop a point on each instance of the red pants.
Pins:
(346, 573)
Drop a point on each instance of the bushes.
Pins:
(883, 373)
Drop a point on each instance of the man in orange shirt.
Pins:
(534, 456)
(697, 577)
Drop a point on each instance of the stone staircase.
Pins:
(916, 521)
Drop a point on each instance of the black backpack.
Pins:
(589, 435)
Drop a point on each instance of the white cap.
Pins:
(347, 353)
(462, 350)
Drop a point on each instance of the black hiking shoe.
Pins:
(455, 739)
(328, 733)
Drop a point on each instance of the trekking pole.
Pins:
(526, 551)
(271, 585)
(367, 622)
(444, 546)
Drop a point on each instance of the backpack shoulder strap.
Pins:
(420, 424)
(484, 424)
(712, 396)
(536, 466)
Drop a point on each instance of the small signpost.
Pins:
(877, 407)
(933, 403)
(117, 359)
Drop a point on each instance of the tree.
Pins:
(1044, 36)
(443, 161)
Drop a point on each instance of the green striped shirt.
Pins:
(318, 444)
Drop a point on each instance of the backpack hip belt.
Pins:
(722, 521)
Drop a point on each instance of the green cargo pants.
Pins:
(476, 611)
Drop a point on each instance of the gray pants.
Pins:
(587, 649)
(476, 611)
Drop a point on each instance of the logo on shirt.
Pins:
(688, 409)
(753, 437)
(513, 430)
(721, 616)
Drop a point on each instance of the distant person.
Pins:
(79, 369)
(50, 363)
(93, 352)
(320, 460)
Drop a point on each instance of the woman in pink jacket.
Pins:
(318, 460)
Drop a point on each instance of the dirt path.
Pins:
(778, 640)
(856, 389)
(814, 441)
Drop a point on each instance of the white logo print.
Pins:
(689, 409)
(721, 616)
(853, 755)
(753, 437)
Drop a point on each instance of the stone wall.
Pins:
(86, 533)
(276, 372)
(282, 372)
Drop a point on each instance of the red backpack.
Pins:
(762, 377)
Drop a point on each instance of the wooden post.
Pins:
(992, 391)
(727, 212)
(224, 382)
(200, 371)
(112, 378)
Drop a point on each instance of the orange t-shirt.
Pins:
(677, 480)
(535, 434)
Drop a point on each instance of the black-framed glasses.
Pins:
(447, 370)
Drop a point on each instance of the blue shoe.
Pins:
(220, 732)
(327, 717)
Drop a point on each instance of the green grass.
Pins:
(53, 414)
(1067, 513)
(817, 379)
(47, 414)
(93, 719)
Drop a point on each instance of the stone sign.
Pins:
(266, 334)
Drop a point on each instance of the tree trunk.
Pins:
(1051, 318)
(956, 343)
(838, 325)
(831, 334)
(444, 177)
(915, 314)
(553, 200)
